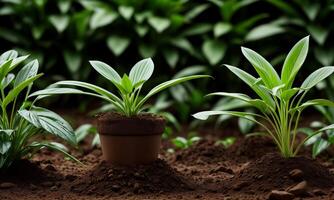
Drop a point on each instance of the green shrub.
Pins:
(20, 119)
(280, 103)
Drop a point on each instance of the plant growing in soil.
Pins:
(280, 104)
(129, 136)
(20, 119)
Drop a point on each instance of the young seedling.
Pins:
(280, 104)
(20, 119)
(129, 102)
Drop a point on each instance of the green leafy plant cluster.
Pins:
(20, 119)
(280, 103)
(129, 102)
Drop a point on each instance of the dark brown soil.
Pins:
(144, 124)
(157, 177)
(115, 116)
(248, 170)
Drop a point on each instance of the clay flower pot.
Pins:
(130, 140)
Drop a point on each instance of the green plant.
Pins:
(20, 119)
(184, 143)
(226, 142)
(325, 139)
(280, 103)
(129, 86)
(87, 129)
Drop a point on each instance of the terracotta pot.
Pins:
(130, 140)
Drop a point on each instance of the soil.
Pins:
(113, 123)
(250, 169)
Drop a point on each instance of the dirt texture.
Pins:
(250, 169)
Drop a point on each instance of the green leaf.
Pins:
(171, 56)
(50, 122)
(267, 73)
(102, 17)
(83, 131)
(6, 81)
(324, 55)
(221, 28)
(4, 146)
(73, 60)
(141, 29)
(64, 5)
(26, 72)
(316, 77)
(287, 94)
(316, 102)
(264, 31)
(126, 84)
(261, 105)
(118, 44)
(197, 29)
(319, 146)
(251, 82)
(60, 22)
(194, 12)
(294, 61)
(4, 69)
(180, 142)
(106, 71)
(319, 34)
(54, 146)
(204, 115)
(158, 23)
(106, 95)
(245, 125)
(141, 71)
(147, 50)
(126, 11)
(15, 91)
(214, 51)
(168, 84)
(8, 55)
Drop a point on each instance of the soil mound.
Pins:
(105, 179)
(273, 172)
(204, 152)
(25, 170)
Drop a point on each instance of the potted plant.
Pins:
(20, 119)
(128, 136)
(280, 104)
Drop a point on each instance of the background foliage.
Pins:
(183, 37)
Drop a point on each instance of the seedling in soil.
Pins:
(20, 119)
(129, 102)
(280, 104)
(226, 142)
(185, 143)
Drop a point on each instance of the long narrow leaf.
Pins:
(263, 68)
(106, 71)
(168, 84)
(294, 61)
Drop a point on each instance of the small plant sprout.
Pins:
(20, 119)
(280, 104)
(129, 102)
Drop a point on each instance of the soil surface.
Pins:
(250, 169)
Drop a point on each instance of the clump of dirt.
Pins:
(25, 170)
(157, 177)
(204, 152)
(252, 147)
(273, 172)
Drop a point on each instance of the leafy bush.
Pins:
(280, 103)
(20, 119)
